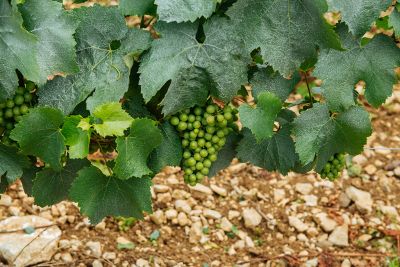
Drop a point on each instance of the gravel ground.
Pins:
(246, 216)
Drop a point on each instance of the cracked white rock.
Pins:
(160, 188)
(304, 188)
(279, 194)
(251, 218)
(201, 189)
(212, 214)
(311, 200)
(183, 205)
(219, 190)
(226, 225)
(340, 236)
(158, 217)
(21, 249)
(171, 214)
(95, 248)
(183, 219)
(326, 223)
(297, 224)
(5, 200)
(362, 199)
(232, 214)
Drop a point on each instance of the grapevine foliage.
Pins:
(92, 107)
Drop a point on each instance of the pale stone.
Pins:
(362, 199)
(21, 249)
(171, 214)
(5, 200)
(304, 188)
(201, 189)
(251, 218)
(97, 263)
(142, 263)
(183, 219)
(183, 205)
(164, 197)
(158, 217)
(109, 255)
(346, 263)
(232, 214)
(297, 224)
(95, 248)
(219, 190)
(226, 225)
(279, 194)
(370, 169)
(195, 232)
(340, 236)
(326, 223)
(66, 257)
(159, 188)
(212, 214)
(311, 200)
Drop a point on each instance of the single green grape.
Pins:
(211, 150)
(28, 97)
(186, 155)
(215, 139)
(220, 133)
(197, 156)
(210, 129)
(20, 91)
(196, 124)
(220, 118)
(174, 121)
(16, 111)
(191, 118)
(228, 116)
(182, 126)
(185, 142)
(207, 163)
(213, 157)
(205, 171)
(188, 171)
(19, 100)
(203, 153)
(10, 103)
(198, 111)
(8, 114)
(211, 109)
(193, 145)
(201, 142)
(29, 85)
(191, 162)
(199, 166)
(23, 109)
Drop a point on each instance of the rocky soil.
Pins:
(243, 217)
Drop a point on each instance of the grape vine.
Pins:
(96, 100)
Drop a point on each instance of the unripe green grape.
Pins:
(16, 111)
(19, 100)
(199, 118)
(220, 118)
(2, 105)
(199, 176)
(191, 118)
(23, 109)
(187, 111)
(192, 135)
(223, 123)
(206, 115)
(185, 142)
(208, 144)
(193, 145)
(330, 176)
(8, 114)
(20, 91)
(197, 156)
(28, 97)
(210, 120)
(204, 122)
(201, 134)
(30, 85)
(191, 162)
(211, 150)
(183, 117)
(205, 171)
(189, 126)
(188, 171)
(217, 147)
(186, 155)
(192, 178)
(335, 162)
(196, 131)
(208, 136)
(182, 126)
(228, 116)
(203, 153)
(227, 109)
(196, 124)
(197, 150)
(198, 111)
(327, 167)
(226, 131)
(210, 129)
(212, 157)
(201, 142)
(10, 103)
(193, 168)
(215, 139)
(211, 109)
(186, 135)
(199, 166)
(220, 133)
(221, 142)
(207, 163)
(174, 121)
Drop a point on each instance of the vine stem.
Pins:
(308, 88)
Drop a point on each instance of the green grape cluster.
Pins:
(203, 131)
(13, 109)
(334, 167)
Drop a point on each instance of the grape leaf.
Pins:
(106, 49)
(38, 134)
(98, 195)
(287, 32)
(191, 87)
(319, 134)
(276, 153)
(51, 187)
(134, 149)
(18, 51)
(11, 163)
(221, 56)
(77, 139)
(169, 152)
(114, 120)
(184, 10)
(226, 154)
(137, 7)
(373, 63)
(359, 14)
(394, 21)
(260, 120)
(267, 80)
(54, 28)
(27, 178)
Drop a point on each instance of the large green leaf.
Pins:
(11, 163)
(267, 80)
(18, 51)
(394, 21)
(373, 63)
(169, 152)
(106, 49)
(320, 134)
(75, 138)
(98, 195)
(184, 10)
(226, 154)
(137, 7)
(288, 32)
(114, 120)
(359, 14)
(51, 187)
(54, 28)
(39, 134)
(134, 149)
(221, 56)
(260, 120)
(191, 87)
